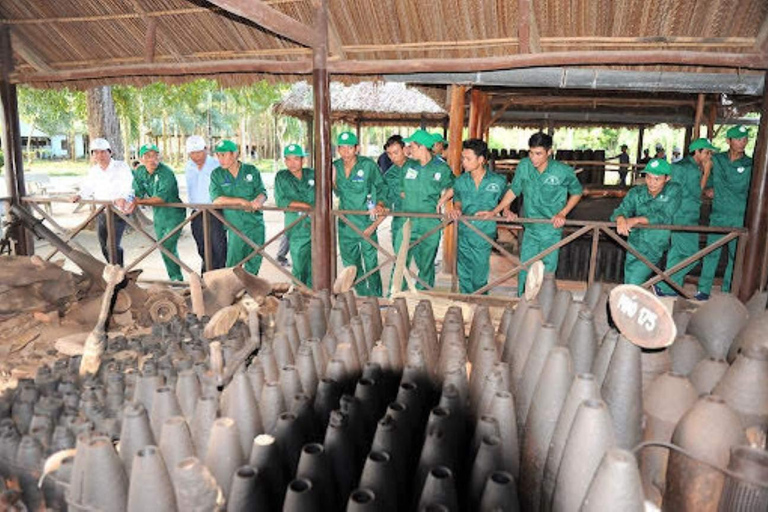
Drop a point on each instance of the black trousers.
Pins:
(101, 225)
(218, 242)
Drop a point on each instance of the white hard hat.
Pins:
(195, 143)
(676, 149)
(102, 144)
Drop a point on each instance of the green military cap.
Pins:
(294, 150)
(701, 143)
(658, 166)
(146, 148)
(226, 146)
(346, 139)
(439, 138)
(737, 132)
(422, 138)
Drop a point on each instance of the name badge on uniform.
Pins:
(361, 173)
(437, 176)
(663, 198)
(492, 187)
(551, 180)
(411, 174)
(249, 177)
(311, 183)
(740, 170)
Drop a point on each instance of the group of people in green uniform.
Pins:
(672, 195)
(419, 181)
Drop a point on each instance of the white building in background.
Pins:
(47, 146)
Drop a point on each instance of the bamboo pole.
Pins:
(699, 115)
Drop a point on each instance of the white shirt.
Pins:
(114, 182)
(199, 180)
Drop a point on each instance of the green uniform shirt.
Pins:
(288, 189)
(730, 181)
(544, 193)
(658, 210)
(353, 191)
(393, 178)
(687, 174)
(481, 198)
(422, 185)
(161, 183)
(247, 185)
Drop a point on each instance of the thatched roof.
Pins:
(370, 101)
(88, 42)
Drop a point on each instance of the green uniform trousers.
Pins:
(301, 257)
(537, 238)
(684, 245)
(709, 267)
(356, 251)
(637, 272)
(238, 249)
(162, 229)
(425, 253)
(473, 261)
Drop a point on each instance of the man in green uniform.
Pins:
(476, 190)
(550, 191)
(154, 184)
(653, 203)
(235, 183)
(423, 187)
(689, 174)
(359, 185)
(439, 146)
(728, 186)
(295, 188)
(395, 148)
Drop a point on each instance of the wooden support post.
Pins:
(455, 132)
(757, 210)
(699, 115)
(323, 247)
(479, 113)
(688, 139)
(11, 141)
(711, 121)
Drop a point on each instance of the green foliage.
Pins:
(52, 110)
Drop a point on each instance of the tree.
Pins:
(52, 111)
(103, 120)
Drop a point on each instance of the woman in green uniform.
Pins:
(295, 188)
(423, 186)
(359, 185)
(153, 184)
(550, 191)
(477, 190)
(690, 173)
(234, 183)
(728, 186)
(653, 203)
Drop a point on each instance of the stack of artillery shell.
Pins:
(351, 405)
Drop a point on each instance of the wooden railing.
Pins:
(573, 230)
(578, 228)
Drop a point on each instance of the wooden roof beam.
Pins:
(29, 53)
(104, 73)
(335, 47)
(527, 28)
(270, 19)
(552, 59)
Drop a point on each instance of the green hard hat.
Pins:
(422, 138)
(346, 139)
(658, 166)
(294, 150)
(226, 146)
(737, 132)
(146, 148)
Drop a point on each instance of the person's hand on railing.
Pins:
(485, 214)
(379, 209)
(509, 214)
(622, 226)
(75, 198)
(256, 204)
(558, 221)
(454, 213)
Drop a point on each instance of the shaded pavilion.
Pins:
(83, 43)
